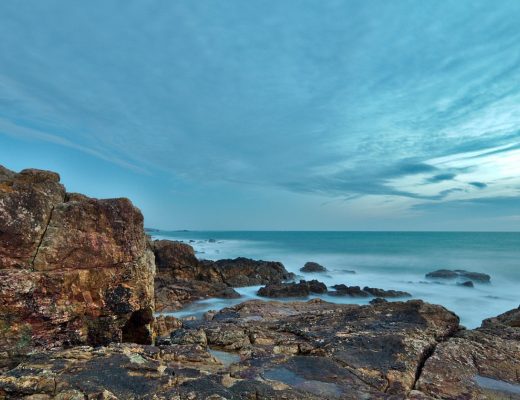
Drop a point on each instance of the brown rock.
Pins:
(477, 364)
(72, 272)
(182, 278)
(27, 201)
(312, 350)
(301, 289)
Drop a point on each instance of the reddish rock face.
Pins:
(73, 269)
(26, 203)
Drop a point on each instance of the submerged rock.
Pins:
(459, 273)
(301, 289)
(313, 267)
(73, 270)
(467, 284)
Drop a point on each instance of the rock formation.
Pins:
(301, 289)
(356, 291)
(312, 350)
(459, 273)
(313, 267)
(73, 270)
(182, 278)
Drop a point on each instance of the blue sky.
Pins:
(271, 114)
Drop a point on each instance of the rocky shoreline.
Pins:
(80, 282)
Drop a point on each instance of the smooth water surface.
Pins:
(388, 260)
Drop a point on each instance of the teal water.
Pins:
(389, 260)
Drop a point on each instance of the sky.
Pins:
(269, 114)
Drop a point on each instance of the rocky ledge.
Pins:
(272, 350)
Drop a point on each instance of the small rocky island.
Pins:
(80, 285)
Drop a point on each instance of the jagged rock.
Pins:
(175, 260)
(182, 278)
(27, 200)
(313, 267)
(73, 270)
(301, 289)
(312, 350)
(459, 273)
(164, 325)
(172, 295)
(246, 272)
(473, 365)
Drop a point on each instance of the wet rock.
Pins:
(73, 270)
(182, 278)
(473, 365)
(172, 295)
(301, 289)
(242, 271)
(467, 284)
(301, 350)
(459, 273)
(313, 267)
(386, 293)
(352, 291)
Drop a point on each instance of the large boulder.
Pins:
(73, 270)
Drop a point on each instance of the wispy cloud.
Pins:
(347, 100)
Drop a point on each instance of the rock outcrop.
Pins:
(73, 270)
(182, 278)
(480, 364)
(313, 350)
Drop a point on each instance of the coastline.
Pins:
(81, 282)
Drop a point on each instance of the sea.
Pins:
(387, 260)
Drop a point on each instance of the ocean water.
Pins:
(387, 260)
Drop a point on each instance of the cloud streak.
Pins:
(338, 99)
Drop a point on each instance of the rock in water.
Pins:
(313, 267)
(459, 273)
(73, 270)
(182, 278)
(301, 289)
